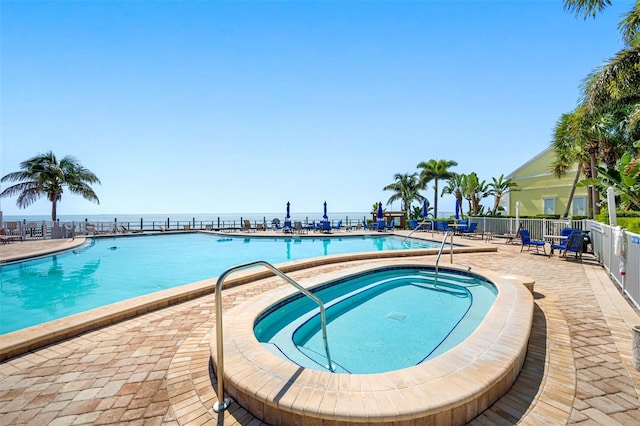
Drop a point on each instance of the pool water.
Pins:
(114, 269)
(380, 321)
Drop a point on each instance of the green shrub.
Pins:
(629, 220)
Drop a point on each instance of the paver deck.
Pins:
(155, 369)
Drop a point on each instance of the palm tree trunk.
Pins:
(54, 210)
(595, 199)
(435, 199)
(573, 189)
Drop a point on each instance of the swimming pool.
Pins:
(452, 388)
(379, 321)
(109, 270)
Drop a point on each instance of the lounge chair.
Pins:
(338, 225)
(91, 229)
(297, 227)
(275, 223)
(287, 226)
(379, 225)
(525, 237)
(470, 230)
(391, 225)
(246, 226)
(443, 227)
(325, 226)
(365, 226)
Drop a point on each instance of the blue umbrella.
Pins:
(288, 210)
(424, 208)
(380, 214)
(457, 209)
(324, 216)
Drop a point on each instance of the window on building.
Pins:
(549, 205)
(579, 206)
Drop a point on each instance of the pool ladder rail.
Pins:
(221, 406)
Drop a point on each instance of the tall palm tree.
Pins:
(498, 188)
(453, 187)
(43, 175)
(406, 189)
(435, 170)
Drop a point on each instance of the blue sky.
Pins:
(225, 107)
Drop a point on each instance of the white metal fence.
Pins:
(623, 268)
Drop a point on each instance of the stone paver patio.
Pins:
(155, 369)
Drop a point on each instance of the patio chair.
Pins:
(443, 227)
(470, 230)
(379, 225)
(365, 226)
(275, 223)
(246, 226)
(575, 244)
(391, 225)
(525, 237)
(287, 226)
(338, 225)
(297, 227)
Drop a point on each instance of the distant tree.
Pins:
(474, 190)
(435, 170)
(498, 188)
(43, 175)
(453, 187)
(406, 189)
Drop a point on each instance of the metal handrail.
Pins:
(418, 227)
(221, 406)
(444, 241)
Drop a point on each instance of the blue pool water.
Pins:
(380, 321)
(114, 269)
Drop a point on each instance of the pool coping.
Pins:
(28, 339)
(450, 389)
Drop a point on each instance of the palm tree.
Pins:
(405, 189)
(454, 187)
(435, 170)
(474, 190)
(498, 188)
(43, 175)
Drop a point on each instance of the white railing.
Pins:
(602, 240)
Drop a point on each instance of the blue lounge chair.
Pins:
(365, 226)
(471, 229)
(413, 224)
(391, 225)
(325, 226)
(443, 227)
(338, 225)
(527, 241)
(379, 225)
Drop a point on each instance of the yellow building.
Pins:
(540, 192)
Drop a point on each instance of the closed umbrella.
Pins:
(424, 208)
(324, 216)
(457, 209)
(288, 206)
(380, 214)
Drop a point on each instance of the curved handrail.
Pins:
(221, 406)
